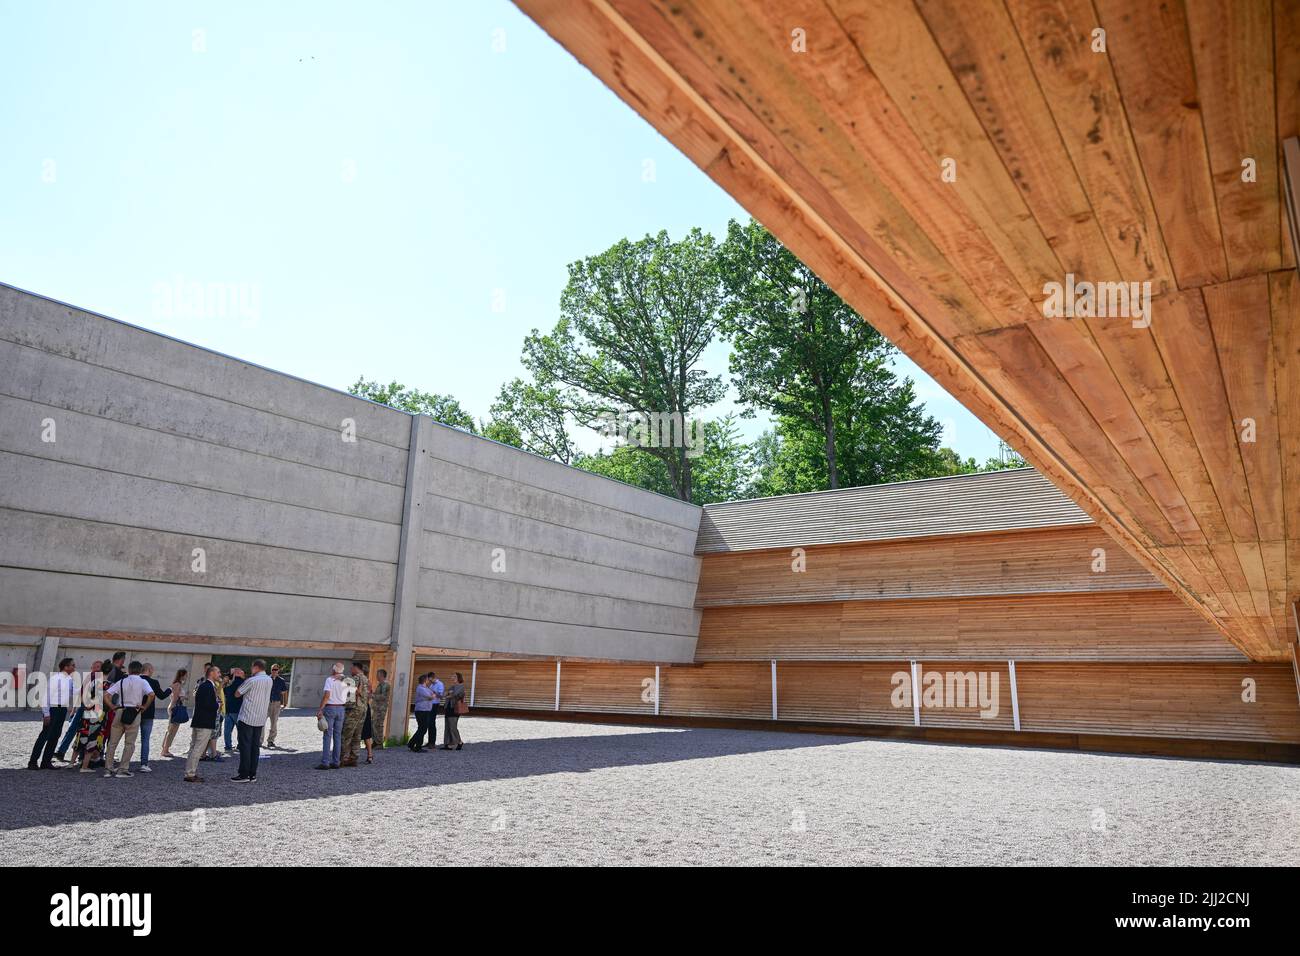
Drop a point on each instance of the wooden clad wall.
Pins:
(528, 685)
(608, 688)
(1021, 562)
(852, 693)
(742, 689)
(1180, 700)
(1140, 625)
(1161, 700)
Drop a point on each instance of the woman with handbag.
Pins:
(179, 714)
(455, 705)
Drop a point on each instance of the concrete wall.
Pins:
(524, 555)
(160, 447)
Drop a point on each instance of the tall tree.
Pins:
(534, 415)
(634, 322)
(799, 351)
(443, 408)
(720, 472)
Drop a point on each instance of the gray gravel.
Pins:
(526, 792)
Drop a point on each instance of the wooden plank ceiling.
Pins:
(831, 120)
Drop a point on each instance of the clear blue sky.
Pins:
(378, 188)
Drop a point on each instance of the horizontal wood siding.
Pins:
(852, 693)
(741, 689)
(1161, 700)
(608, 688)
(1151, 625)
(1048, 561)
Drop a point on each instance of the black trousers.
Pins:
(421, 728)
(51, 730)
(250, 748)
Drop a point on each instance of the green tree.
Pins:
(634, 322)
(799, 351)
(721, 470)
(442, 408)
(534, 418)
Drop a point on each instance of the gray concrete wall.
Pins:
(524, 555)
(161, 448)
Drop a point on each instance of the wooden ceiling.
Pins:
(1117, 166)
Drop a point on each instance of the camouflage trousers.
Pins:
(354, 719)
(378, 719)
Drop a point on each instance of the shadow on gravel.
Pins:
(31, 798)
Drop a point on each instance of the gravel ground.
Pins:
(525, 792)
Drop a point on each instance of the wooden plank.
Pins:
(1079, 88)
(1286, 65)
(984, 52)
(1182, 332)
(1114, 625)
(1027, 562)
(1136, 362)
(900, 50)
(1081, 363)
(864, 148)
(1240, 320)
(1027, 375)
(1151, 54)
(1232, 49)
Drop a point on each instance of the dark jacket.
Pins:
(158, 693)
(205, 706)
(233, 700)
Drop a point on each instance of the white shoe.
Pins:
(145, 768)
(107, 774)
(125, 773)
(86, 770)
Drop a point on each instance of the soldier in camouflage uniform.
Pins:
(379, 700)
(354, 714)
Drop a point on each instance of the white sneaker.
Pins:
(145, 768)
(107, 774)
(125, 773)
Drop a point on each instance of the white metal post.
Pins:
(557, 685)
(916, 696)
(473, 680)
(656, 690)
(1015, 698)
(774, 690)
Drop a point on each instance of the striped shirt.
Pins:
(255, 694)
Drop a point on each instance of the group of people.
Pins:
(431, 695)
(351, 714)
(119, 701)
(116, 706)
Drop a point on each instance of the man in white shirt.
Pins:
(129, 697)
(255, 700)
(54, 711)
(331, 711)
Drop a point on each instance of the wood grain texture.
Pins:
(1122, 164)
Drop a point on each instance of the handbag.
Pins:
(180, 714)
